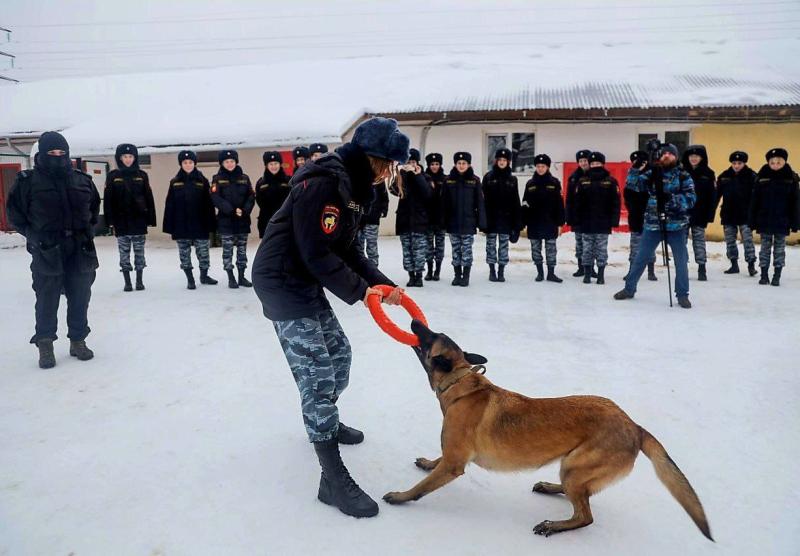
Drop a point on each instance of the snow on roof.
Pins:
(260, 106)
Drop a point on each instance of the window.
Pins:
(522, 150)
(678, 138)
(207, 156)
(144, 160)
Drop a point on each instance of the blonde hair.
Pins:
(383, 166)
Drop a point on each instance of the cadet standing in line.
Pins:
(435, 234)
(695, 162)
(271, 189)
(501, 197)
(543, 213)
(735, 189)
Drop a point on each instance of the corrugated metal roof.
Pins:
(679, 91)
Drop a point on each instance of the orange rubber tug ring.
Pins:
(385, 324)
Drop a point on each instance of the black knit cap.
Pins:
(51, 141)
(272, 156)
(542, 159)
(226, 154)
(583, 153)
(187, 155)
(126, 148)
(779, 152)
(300, 152)
(738, 156)
(317, 148)
(639, 156)
(503, 153)
(434, 157)
(597, 156)
(461, 155)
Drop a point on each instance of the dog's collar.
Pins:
(458, 374)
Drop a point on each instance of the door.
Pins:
(617, 169)
(8, 173)
(98, 171)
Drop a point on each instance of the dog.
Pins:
(501, 430)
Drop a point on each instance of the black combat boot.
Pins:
(412, 280)
(776, 276)
(551, 275)
(337, 487)
(587, 274)
(501, 273)
(601, 275)
(139, 283)
(206, 279)
(594, 274)
(244, 282)
(684, 302)
(126, 275)
(492, 273)
(651, 272)
(190, 285)
(578, 273)
(734, 269)
(751, 268)
(456, 276)
(701, 273)
(349, 435)
(232, 283)
(630, 266)
(418, 279)
(47, 359)
(539, 272)
(78, 349)
(437, 271)
(764, 276)
(623, 294)
(465, 277)
(429, 275)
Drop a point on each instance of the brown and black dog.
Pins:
(500, 430)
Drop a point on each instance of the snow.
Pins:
(319, 73)
(184, 435)
(11, 241)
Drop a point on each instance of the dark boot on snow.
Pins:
(429, 275)
(139, 282)
(684, 303)
(78, 349)
(232, 283)
(206, 279)
(349, 435)
(47, 359)
(751, 268)
(580, 272)
(623, 294)
(492, 273)
(501, 273)
(337, 487)
(601, 275)
(190, 285)
(244, 282)
(776, 277)
(587, 274)
(764, 276)
(701, 273)
(456, 276)
(551, 275)
(651, 272)
(465, 277)
(539, 272)
(437, 271)
(734, 269)
(126, 275)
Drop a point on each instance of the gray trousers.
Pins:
(319, 357)
(125, 244)
(595, 248)
(493, 242)
(578, 246)
(549, 249)
(776, 244)
(436, 245)
(415, 249)
(200, 250)
(368, 237)
(461, 246)
(229, 241)
(732, 250)
(636, 240)
(699, 244)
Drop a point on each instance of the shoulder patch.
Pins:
(329, 220)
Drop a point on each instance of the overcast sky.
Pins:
(69, 38)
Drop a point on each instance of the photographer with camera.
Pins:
(671, 197)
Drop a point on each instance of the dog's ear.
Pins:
(443, 363)
(474, 358)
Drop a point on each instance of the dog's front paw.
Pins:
(426, 464)
(394, 498)
(544, 528)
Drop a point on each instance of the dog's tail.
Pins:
(675, 481)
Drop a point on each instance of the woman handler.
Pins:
(309, 245)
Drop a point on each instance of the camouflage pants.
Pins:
(319, 357)
(549, 249)
(732, 251)
(415, 249)
(435, 245)
(636, 240)
(699, 244)
(777, 245)
(461, 247)
(368, 236)
(228, 242)
(124, 244)
(595, 248)
(492, 241)
(578, 246)
(200, 249)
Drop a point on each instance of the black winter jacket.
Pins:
(704, 210)
(308, 245)
(572, 187)
(231, 191)
(775, 206)
(128, 202)
(501, 197)
(735, 189)
(188, 211)
(378, 208)
(543, 207)
(463, 209)
(597, 205)
(412, 209)
(636, 204)
(271, 192)
(435, 202)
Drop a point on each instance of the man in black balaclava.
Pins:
(56, 207)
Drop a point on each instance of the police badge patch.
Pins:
(330, 218)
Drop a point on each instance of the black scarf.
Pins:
(274, 179)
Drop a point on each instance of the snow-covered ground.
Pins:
(184, 436)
